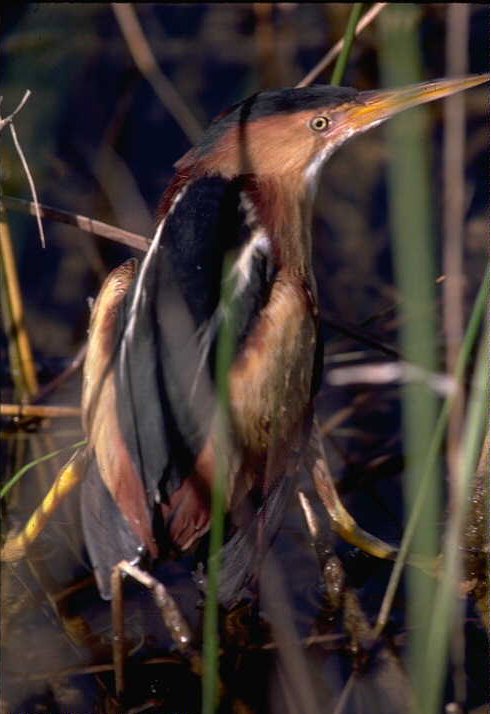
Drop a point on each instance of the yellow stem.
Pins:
(20, 353)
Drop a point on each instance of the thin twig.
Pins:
(149, 704)
(345, 694)
(310, 517)
(89, 225)
(39, 411)
(145, 61)
(341, 415)
(8, 120)
(357, 332)
(61, 378)
(335, 51)
(87, 670)
(121, 188)
(392, 372)
(76, 587)
(335, 640)
(30, 181)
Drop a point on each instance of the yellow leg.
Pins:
(343, 522)
(70, 475)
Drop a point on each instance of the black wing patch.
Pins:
(206, 224)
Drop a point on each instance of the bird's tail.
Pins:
(240, 555)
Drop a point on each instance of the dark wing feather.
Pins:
(108, 536)
(172, 319)
(240, 555)
(116, 519)
(99, 405)
(163, 413)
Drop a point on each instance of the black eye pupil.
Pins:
(319, 123)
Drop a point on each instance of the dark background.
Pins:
(100, 143)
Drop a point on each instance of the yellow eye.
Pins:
(319, 123)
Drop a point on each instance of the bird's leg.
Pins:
(332, 570)
(343, 522)
(68, 477)
(171, 615)
(117, 621)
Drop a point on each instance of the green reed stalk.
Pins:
(415, 271)
(349, 37)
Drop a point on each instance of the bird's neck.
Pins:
(286, 215)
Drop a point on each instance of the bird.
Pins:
(231, 254)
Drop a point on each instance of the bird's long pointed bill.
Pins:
(377, 106)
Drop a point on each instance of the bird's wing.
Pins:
(166, 369)
(116, 519)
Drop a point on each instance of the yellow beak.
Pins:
(374, 107)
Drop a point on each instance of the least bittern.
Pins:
(243, 194)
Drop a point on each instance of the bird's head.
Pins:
(292, 132)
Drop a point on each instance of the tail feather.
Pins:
(240, 555)
(108, 536)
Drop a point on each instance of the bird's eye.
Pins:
(319, 123)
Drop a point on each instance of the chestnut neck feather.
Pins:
(286, 214)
